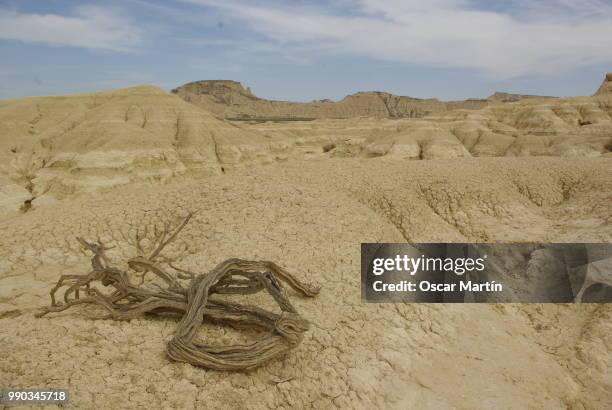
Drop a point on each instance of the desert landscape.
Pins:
(303, 185)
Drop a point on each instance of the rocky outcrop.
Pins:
(509, 97)
(230, 100)
(606, 86)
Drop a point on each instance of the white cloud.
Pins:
(526, 37)
(90, 27)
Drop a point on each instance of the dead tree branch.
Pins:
(195, 297)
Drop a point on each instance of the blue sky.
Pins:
(303, 50)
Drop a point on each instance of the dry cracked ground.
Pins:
(304, 195)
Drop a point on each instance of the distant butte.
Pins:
(606, 86)
(231, 100)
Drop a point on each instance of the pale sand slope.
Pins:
(310, 217)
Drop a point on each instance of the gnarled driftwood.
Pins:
(194, 297)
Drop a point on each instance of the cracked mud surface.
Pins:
(309, 217)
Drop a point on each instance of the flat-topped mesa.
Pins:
(499, 96)
(606, 86)
(218, 89)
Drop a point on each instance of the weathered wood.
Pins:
(192, 296)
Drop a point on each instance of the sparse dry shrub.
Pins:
(23, 168)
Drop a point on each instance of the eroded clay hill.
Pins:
(230, 100)
(56, 146)
(53, 147)
(566, 127)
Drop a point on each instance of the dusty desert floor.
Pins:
(304, 195)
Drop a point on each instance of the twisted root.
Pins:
(196, 302)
